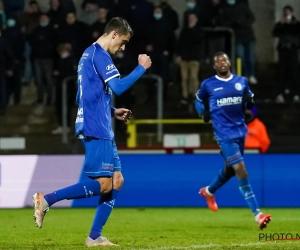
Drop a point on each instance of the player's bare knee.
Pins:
(240, 170)
(106, 184)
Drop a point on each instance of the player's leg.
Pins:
(208, 192)
(245, 188)
(105, 206)
(98, 165)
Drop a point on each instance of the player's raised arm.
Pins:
(118, 86)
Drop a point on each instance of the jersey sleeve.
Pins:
(202, 93)
(247, 89)
(104, 65)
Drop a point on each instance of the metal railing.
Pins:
(132, 131)
(159, 112)
(64, 107)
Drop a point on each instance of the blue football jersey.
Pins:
(226, 106)
(95, 69)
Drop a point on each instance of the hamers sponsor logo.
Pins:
(229, 101)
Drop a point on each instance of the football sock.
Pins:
(104, 208)
(218, 182)
(82, 189)
(249, 196)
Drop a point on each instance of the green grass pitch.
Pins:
(150, 228)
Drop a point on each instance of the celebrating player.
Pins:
(97, 78)
(228, 96)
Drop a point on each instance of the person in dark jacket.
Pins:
(288, 32)
(160, 46)
(188, 55)
(6, 69)
(56, 13)
(2, 17)
(192, 7)
(74, 32)
(65, 66)
(97, 28)
(43, 42)
(170, 15)
(16, 39)
(238, 16)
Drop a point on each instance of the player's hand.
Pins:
(145, 61)
(248, 100)
(206, 116)
(122, 114)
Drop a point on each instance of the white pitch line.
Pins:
(210, 246)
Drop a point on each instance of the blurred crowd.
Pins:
(44, 47)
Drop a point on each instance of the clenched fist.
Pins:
(145, 61)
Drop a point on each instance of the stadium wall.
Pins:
(153, 180)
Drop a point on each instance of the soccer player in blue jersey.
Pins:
(228, 96)
(97, 79)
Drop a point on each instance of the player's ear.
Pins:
(114, 34)
(229, 63)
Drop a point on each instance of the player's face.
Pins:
(118, 43)
(222, 64)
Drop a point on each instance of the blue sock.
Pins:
(80, 190)
(249, 196)
(218, 182)
(105, 206)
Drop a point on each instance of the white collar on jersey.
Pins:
(224, 80)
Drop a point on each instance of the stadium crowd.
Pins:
(44, 47)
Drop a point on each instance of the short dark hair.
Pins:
(288, 7)
(219, 54)
(120, 25)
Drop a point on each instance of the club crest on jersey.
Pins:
(238, 86)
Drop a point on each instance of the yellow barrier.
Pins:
(131, 127)
(239, 66)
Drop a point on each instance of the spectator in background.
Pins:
(75, 33)
(160, 46)
(188, 52)
(107, 4)
(211, 14)
(211, 17)
(257, 136)
(15, 37)
(2, 17)
(56, 13)
(288, 32)
(191, 8)
(6, 69)
(14, 8)
(89, 12)
(64, 66)
(43, 40)
(238, 16)
(169, 14)
(98, 27)
(68, 6)
(30, 20)
(140, 17)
